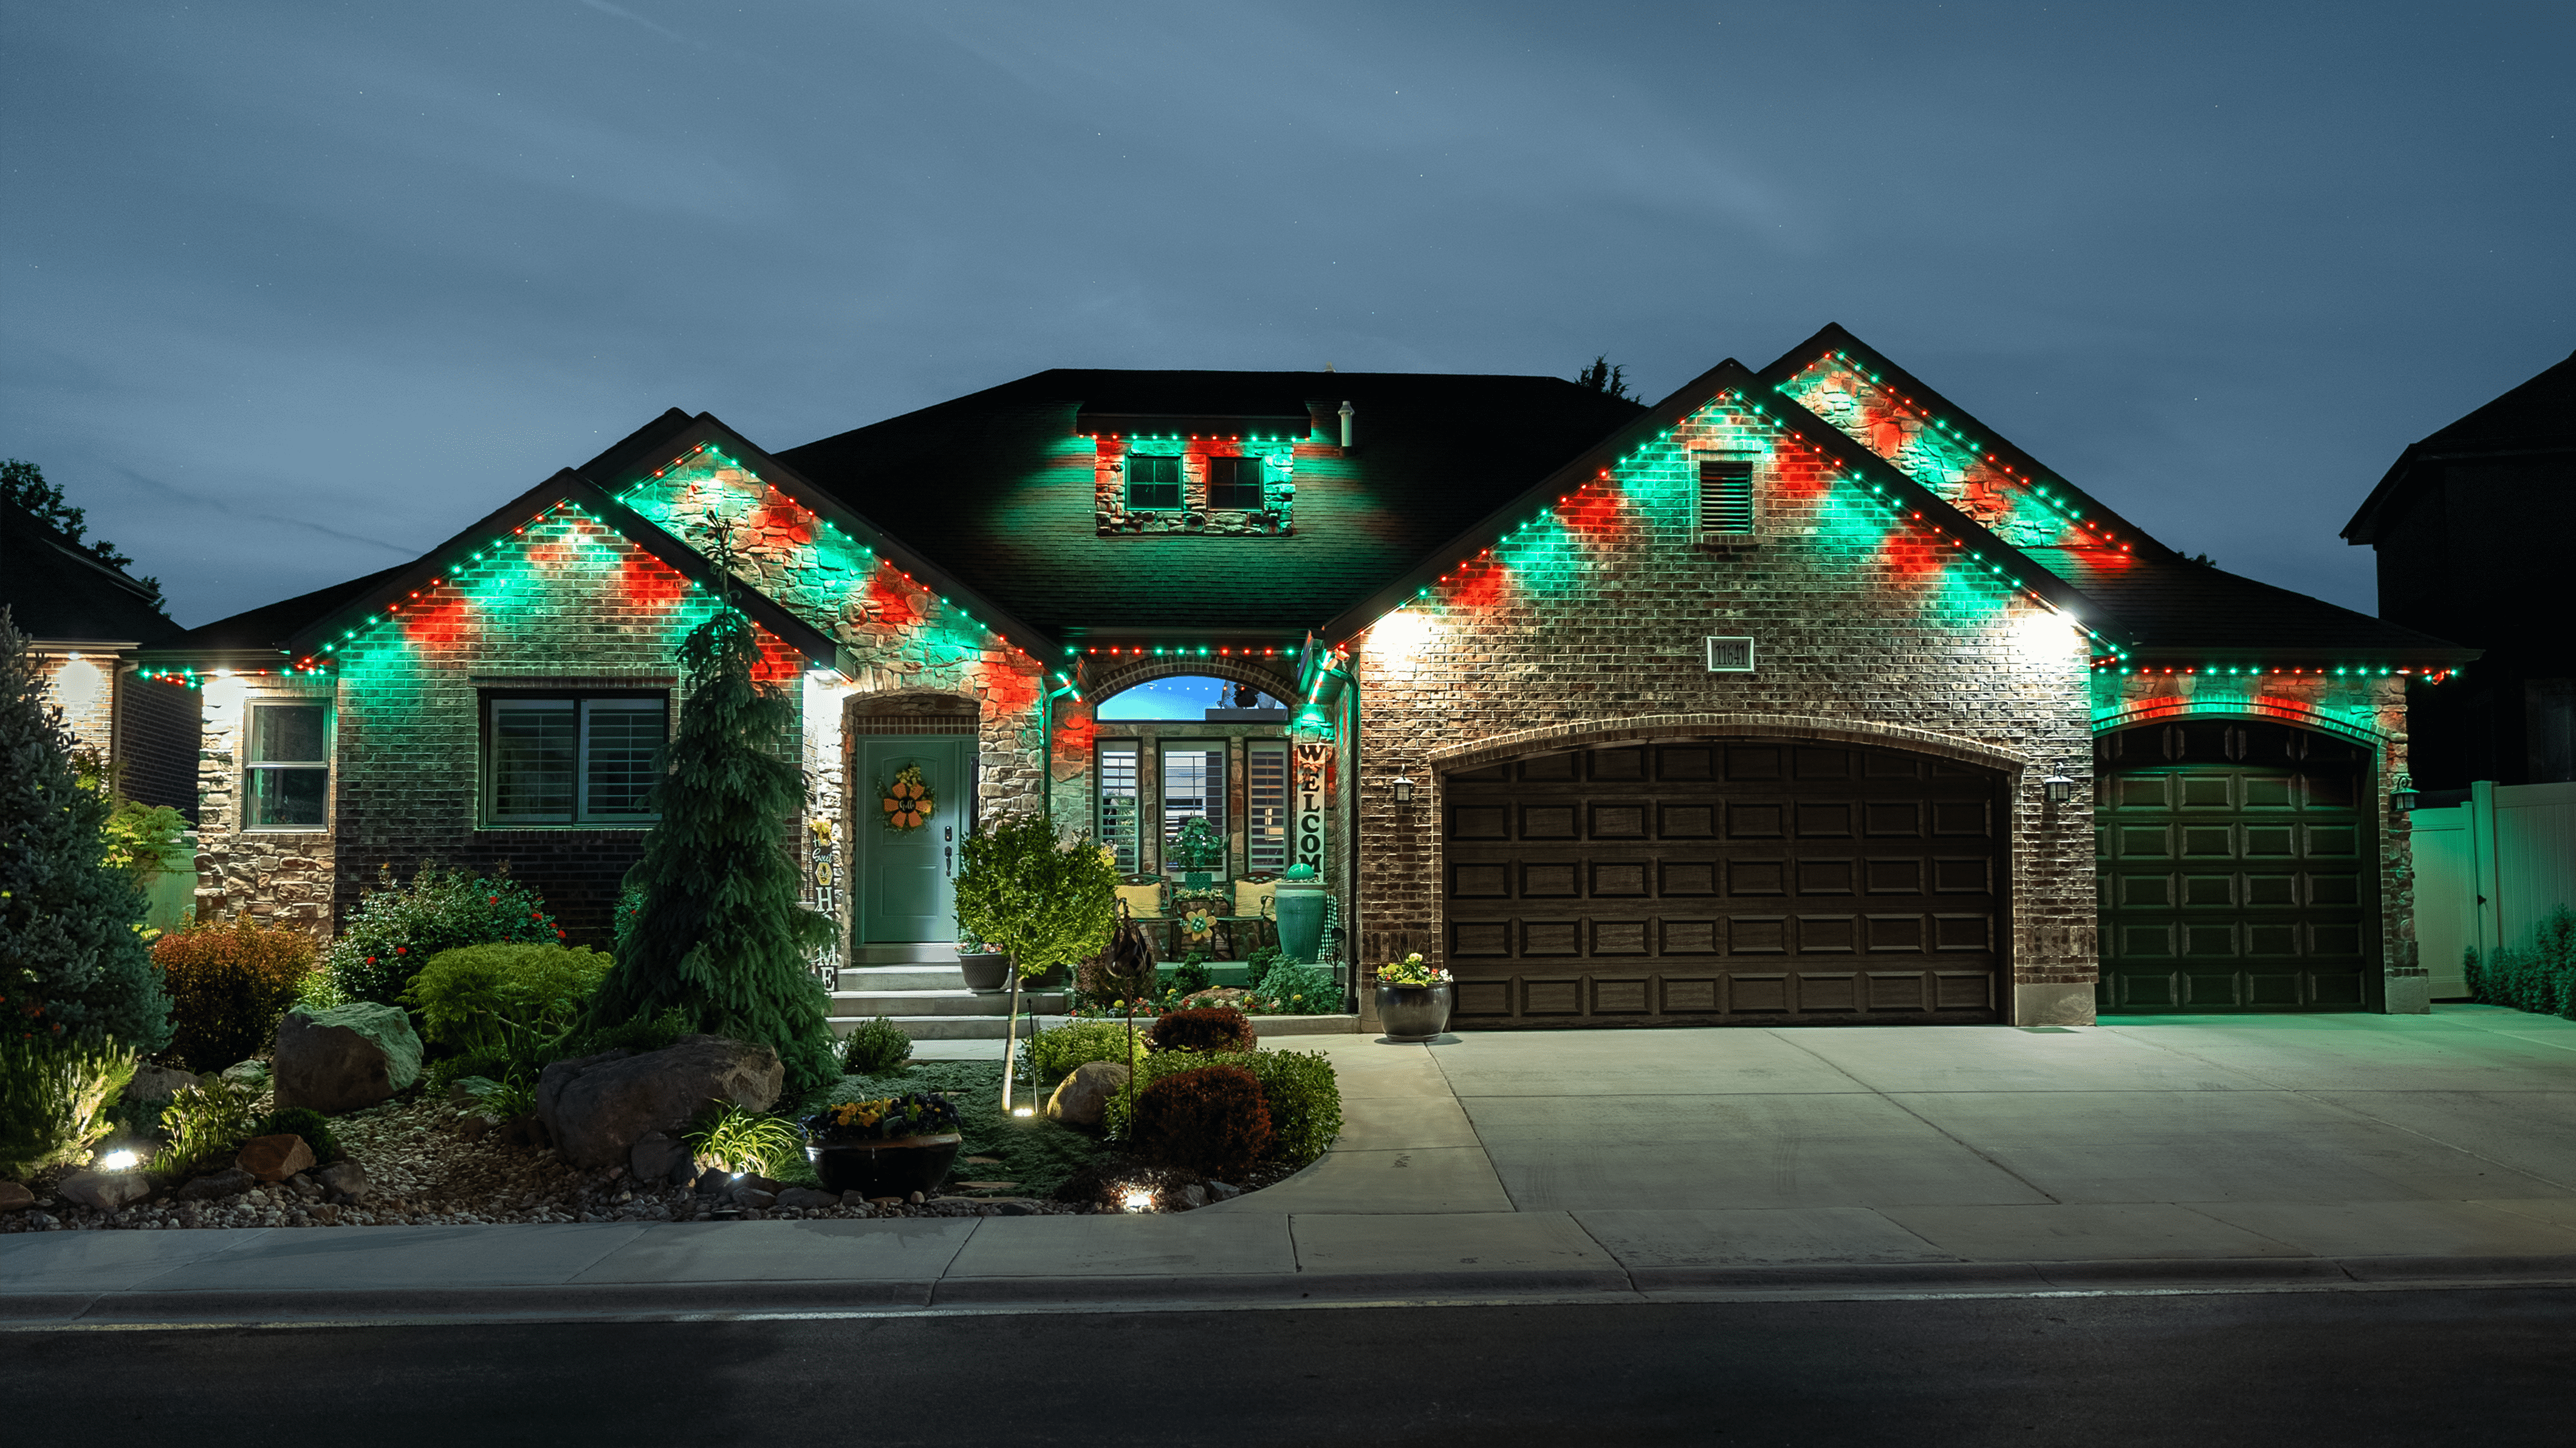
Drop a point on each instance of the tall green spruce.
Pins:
(72, 966)
(713, 925)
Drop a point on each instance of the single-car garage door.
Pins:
(2235, 869)
(1725, 881)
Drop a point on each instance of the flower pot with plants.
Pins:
(892, 1146)
(1044, 902)
(987, 971)
(1412, 999)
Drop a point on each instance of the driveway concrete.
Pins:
(2301, 1151)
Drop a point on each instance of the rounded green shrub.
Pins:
(1299, 1087)
(875, 1048)
(1065, 1049)
(1213, 1028)
(1210, 1119)
(483, 998)
(305, 1122)
(396, 929)
(229, 984)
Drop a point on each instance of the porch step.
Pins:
(947, 1028)
(864, 1005)
(901, 977)
(927, 952)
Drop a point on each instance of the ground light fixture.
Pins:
(1137, 1201)
(119, 1161)
(2057, 789)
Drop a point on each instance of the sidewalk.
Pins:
(2200, 1154)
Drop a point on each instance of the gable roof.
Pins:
(1000, 487)
(675, 434)
(55, 589)
(1728, 376)
(2535, 418)
(298, 628)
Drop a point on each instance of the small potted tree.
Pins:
(1043, 902)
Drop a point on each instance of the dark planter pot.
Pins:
(1413, 1012)
(1052, 979)
(895, 1168)
(986, 973)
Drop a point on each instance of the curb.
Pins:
(679, 1301)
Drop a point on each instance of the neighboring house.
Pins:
(1799, 696)
(2470, 528)
(86, 619)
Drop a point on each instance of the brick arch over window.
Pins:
(1594, 734)
(1119, 678)
(913, 711)
(2298, 716)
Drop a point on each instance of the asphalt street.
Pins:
(2491, 1367)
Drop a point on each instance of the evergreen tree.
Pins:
(1601, 376)
(72, 962)
(712, 925)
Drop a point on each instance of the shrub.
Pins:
(1068, 1047)
(1215, 1028)
(742, 1141)
(875, 1048)
(512, 1096)
(446, 1071)
(485, 998)
(1209, 1119)
(228, 986)
(54, 1099)
(396, 929)
(305, 1122)
(2539, 977)
(642, 1035)
(205, 1121)
(1189, 977)
(1299, 1087)
(1293, 989)
(1257, 966)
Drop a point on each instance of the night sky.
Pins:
(295, 291)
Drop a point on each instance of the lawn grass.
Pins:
(1033, 1152)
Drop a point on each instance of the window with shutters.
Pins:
(1726, 500)
(1119, 802)
(577, 760)
(1266, 807)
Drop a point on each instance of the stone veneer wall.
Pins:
(1860, 623)
(276, 877)
(2367, 709)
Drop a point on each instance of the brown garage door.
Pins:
(2235, 869)
(1722, 882)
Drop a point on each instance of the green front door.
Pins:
(905, 876)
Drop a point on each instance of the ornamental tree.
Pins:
(1042, 902)
(72, 959)
(712, 925)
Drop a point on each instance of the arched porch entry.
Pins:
(1742, 878)
(2238, 868)
(902, 880)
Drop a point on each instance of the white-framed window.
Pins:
(1726, 512)
(1193, 786)
(572, 760)
(1265, 806)
(286, 771)
(1120, 803)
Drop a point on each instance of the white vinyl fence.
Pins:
(2489, 870)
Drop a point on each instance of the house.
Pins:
(1799, 696)
(2467, 526)
(85, 619)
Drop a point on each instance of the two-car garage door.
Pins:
(1725, 881)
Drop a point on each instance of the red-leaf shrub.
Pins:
(1216, 1028)
(1210, 1120)
(228, 985)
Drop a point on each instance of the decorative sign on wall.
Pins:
(1316, 776)
(1729, 655)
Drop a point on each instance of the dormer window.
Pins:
(1153, 484)
(1235, 483)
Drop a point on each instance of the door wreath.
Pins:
(905, 802)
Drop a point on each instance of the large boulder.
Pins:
(346, 1057)
(347, 1182)
(598, 1107)
(14, 1197)
(156, 1083)
(1080, 1098)
(105, 1190)
(232, 1181)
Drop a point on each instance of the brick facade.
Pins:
(1588, 625)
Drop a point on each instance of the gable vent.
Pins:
(1725, 499)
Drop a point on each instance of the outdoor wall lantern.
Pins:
(2057, 789)
(2404, 797)
(1403, 790)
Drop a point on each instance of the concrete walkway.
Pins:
(2318, 1151)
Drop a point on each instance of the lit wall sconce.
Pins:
(2057, 789)
(2404, 797)
(1403, 790)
